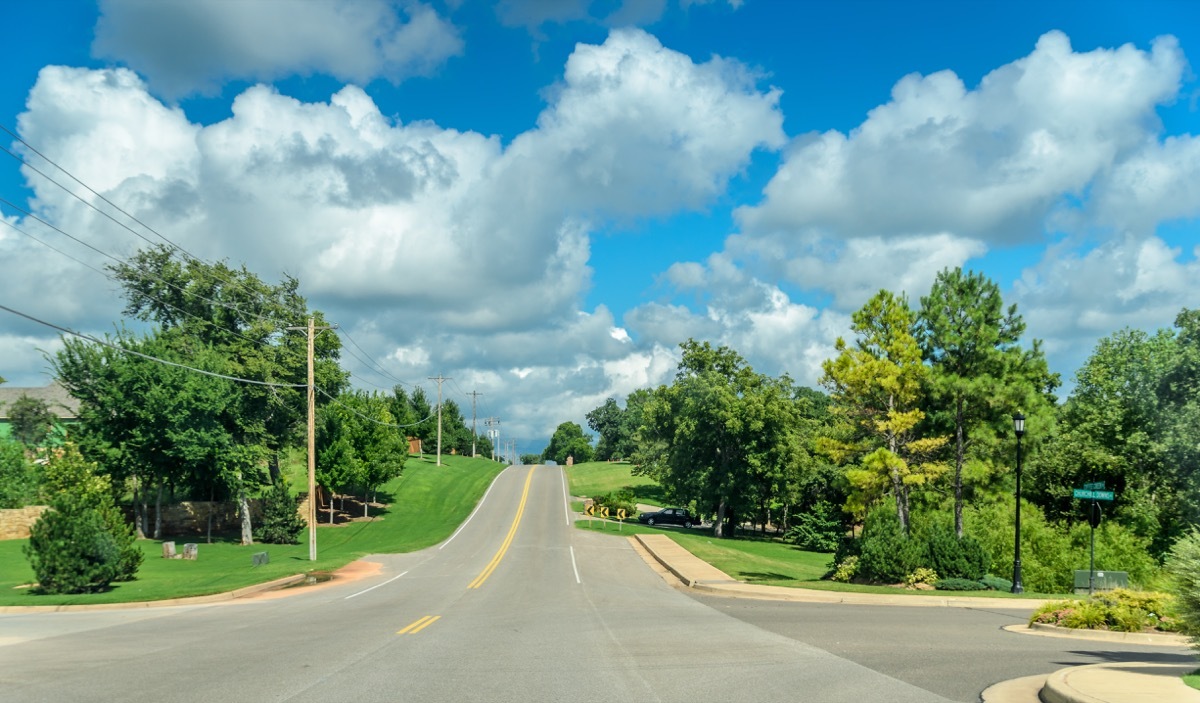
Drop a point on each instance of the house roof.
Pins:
(55, 396)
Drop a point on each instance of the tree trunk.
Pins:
(959, 450)
(244, 508)
(137, 514)
(366, 504)
(211, 499)
(719, 523)
(158, 512)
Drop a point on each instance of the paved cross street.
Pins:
(520, 606)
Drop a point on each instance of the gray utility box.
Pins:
(1105, 580)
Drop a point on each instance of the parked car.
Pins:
(670, 516)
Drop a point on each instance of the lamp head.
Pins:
(1019, 423)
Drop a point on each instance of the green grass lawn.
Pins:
(1193, 679)
(772, 563)
(428, 503)
(601, 477)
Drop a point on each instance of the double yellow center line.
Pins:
(512, 531)
(419, 625)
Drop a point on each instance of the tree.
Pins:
(720, 436)
(70, 550)
(78, 491)
(568, 441)
(232, 320)
(32, 420)
(875, 387)
(979, 370)
(605, 421)
(18, 476)
(280, 523)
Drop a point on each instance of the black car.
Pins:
(670, 516)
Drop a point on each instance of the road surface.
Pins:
(517, 606)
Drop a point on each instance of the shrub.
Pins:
(846, 570)
(952, 557)
(18, 476)
(1047, 560)
(615, 501)
(921, 576)
(280, 522)
(996, 583)
(1087, 615)
(818, 530)
(71, 549)
(886, 555)
(957, 584)
(1122, 610)
(1184, 567)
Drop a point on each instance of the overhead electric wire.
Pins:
(151, 297)
(148, 357)
(72, 193)
(119, 260)
(335, 401)
(382, 370)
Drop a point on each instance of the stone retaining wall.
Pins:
(15, 522)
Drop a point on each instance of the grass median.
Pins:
(427, 503)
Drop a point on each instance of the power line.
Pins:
(335, 401)
(148, 357)
(187, 255)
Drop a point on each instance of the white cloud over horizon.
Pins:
(449, 251)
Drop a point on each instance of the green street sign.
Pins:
(1097, 486)
(1089, 494)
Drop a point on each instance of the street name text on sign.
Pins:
(1089, 494)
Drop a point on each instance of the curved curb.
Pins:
(1127, 681)
(190, 600)
(1163, 639)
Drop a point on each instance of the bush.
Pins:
(615, 501)
(71, 549)
(18, 476)
(953, 557)
(280, 523)
(921, 576)
(1047, 560)
(886, 555)
(846, 570)
(1184, 566)
(1121, 610)
(957, 584)
(996, 583)
(818, 530)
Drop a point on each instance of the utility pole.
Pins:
(439, 380)
(493, 434)
(312, 437)
(474, 395)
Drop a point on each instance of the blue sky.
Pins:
(542, 199)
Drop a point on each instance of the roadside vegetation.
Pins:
(901, 469)
(209, 404)
(424, 506)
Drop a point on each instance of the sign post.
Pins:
(1094, 492)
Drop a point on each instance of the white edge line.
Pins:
(477, 507)
(566, 498)
(372, 588)
(575, 566)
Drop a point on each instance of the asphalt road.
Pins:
(518, 606)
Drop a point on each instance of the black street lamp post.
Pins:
(1019, 429)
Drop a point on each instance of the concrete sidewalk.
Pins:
(1127, 682)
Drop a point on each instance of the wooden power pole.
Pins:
(439, 380)
(312, 437)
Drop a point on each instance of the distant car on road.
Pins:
(670, 516)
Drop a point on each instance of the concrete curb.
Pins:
(1158, 639)
(702, 576)
(192, 600)
(1128, 682)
